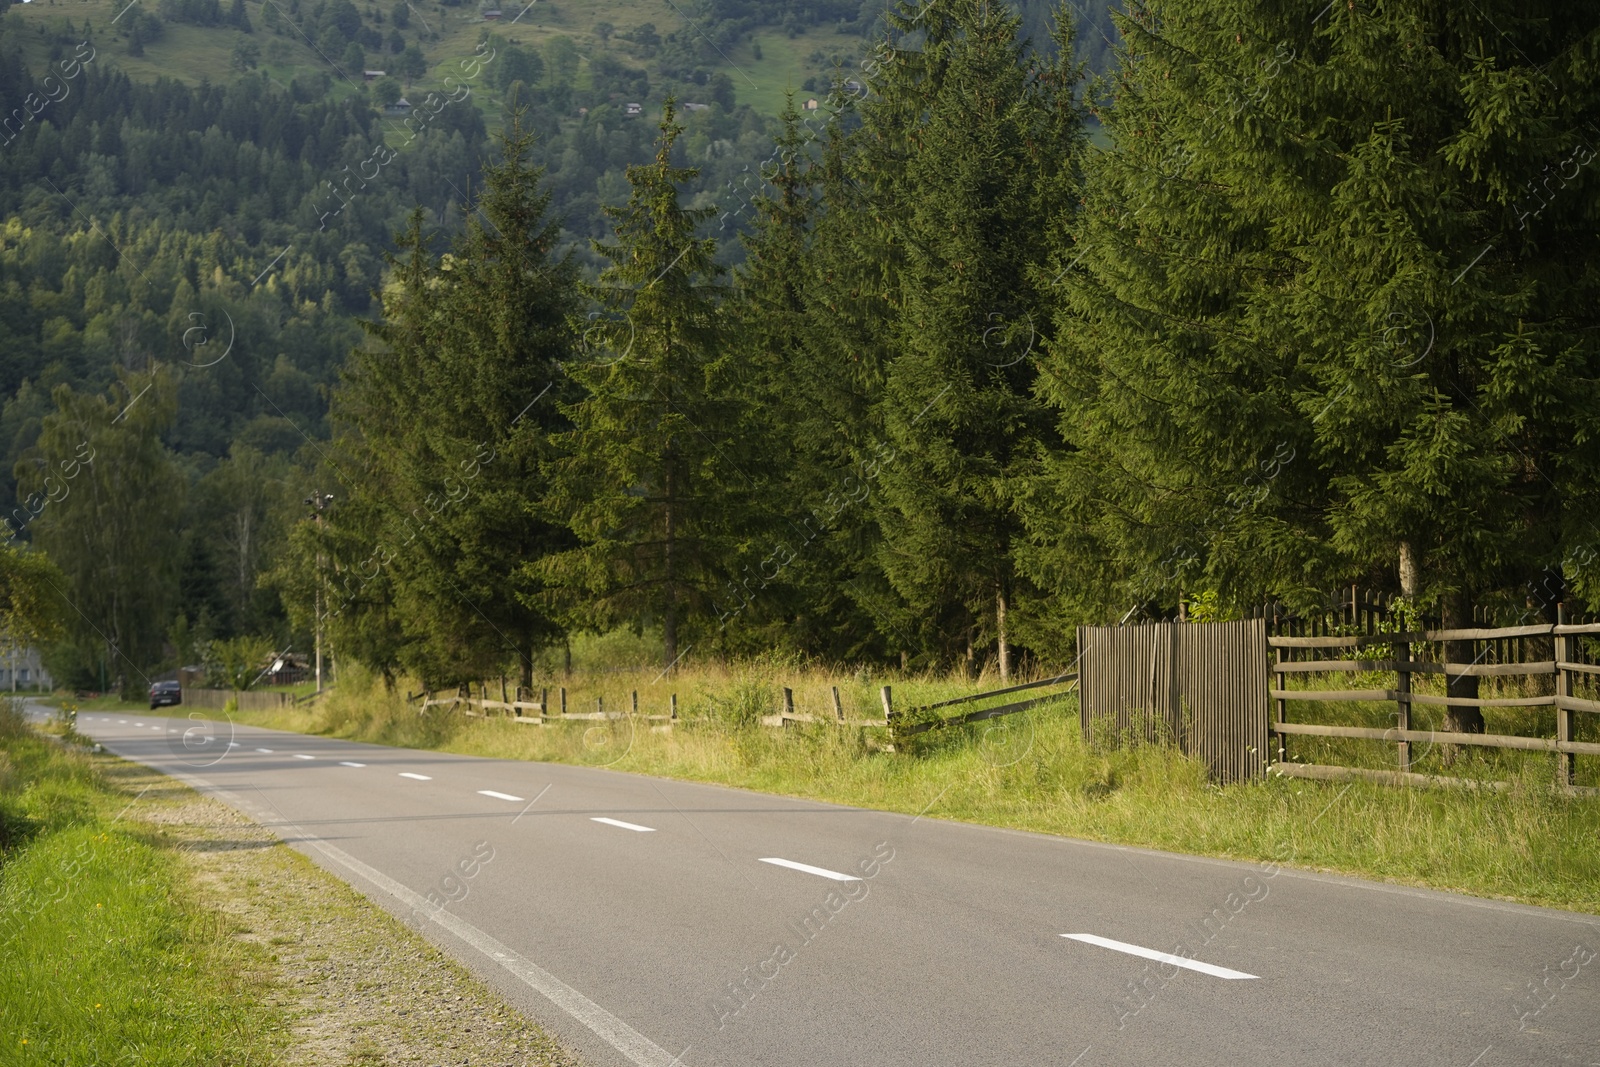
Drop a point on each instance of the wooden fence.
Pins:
(915, 720)
(521, 705)
(524, 707)
(1496, 652)
(1203, 685)
(247, 700)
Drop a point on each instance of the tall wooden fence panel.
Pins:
(249, 700)
(1204, 685)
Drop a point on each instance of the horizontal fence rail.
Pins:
(1436, 653)
(902, 728)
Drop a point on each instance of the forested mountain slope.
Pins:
(212, 188)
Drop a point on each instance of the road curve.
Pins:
(650, 922)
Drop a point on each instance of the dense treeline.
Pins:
(227, 238)
(1325, 312)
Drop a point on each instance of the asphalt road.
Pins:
(646, 922)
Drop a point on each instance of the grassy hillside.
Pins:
(763, 64)
(195, 54)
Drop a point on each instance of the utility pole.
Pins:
(319, 503)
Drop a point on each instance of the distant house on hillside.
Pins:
(633, 111)
(372, 75)
(491, 16)
(812, 105)
(401, 106)
(697, 107)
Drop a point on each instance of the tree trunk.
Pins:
(1000, 633)
(1460, 718)
(670, 616)
(1410, 572)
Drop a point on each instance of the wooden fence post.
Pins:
(563, 700)
(674, 707)
(544, 702)
(838, 708)
(888, 705)
(788, 702)
(1402, 696)
(635, 702)
(1564, 716)
(1280, 681)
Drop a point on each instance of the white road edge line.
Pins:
(624, 825)
(806, 867)
(418, 777)
(1161, 957)
(500, 796)
(347, 763)
(616, 1033)
(638, 1049)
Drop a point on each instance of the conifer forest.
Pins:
(913, 333)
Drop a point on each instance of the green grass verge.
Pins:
(106, 959)
(1032, 771)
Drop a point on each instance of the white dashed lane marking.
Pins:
(499, 796)
(299, 756)
(821, 872)
(418, 777)
(347, 763)
(268, 751)
(624, 825)
(1161, 957)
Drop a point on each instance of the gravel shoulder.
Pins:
(354, 985)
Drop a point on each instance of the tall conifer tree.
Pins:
(967, 143)
(455, 411)
(1328, 312)
(646, 477)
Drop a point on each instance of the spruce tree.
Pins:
(1326, 313)
(646, 476)
(456, 408)
(967, 140)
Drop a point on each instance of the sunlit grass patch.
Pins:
(106, 961)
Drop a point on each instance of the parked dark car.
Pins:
(165, 693)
